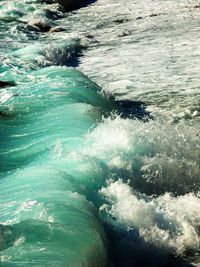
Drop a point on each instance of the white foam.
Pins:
(156, 157)
(4, 96)
(166, 222)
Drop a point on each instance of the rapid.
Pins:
(99, 133)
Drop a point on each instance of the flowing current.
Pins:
(101, 171)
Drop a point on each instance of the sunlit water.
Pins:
(87, 177)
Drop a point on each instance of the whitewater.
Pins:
(99, 133)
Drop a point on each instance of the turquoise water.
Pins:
(98, 175)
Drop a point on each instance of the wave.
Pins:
(87, 179)
(42, 131)
(34, 56)
(44, 219)
(54, 143)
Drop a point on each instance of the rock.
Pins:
(43, 27)
(153, 15)
(54, 29)
(39, 26)
(70, 4)
(119, 21)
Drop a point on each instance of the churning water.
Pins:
(99, 175)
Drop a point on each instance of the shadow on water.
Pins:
(129, 249)
(4, 84)
(130, 109)
(7, 237)
(73, 62)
